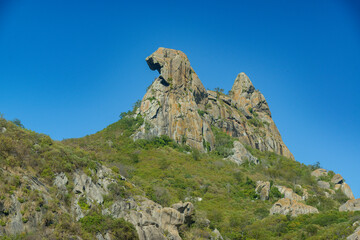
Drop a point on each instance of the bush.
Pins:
(121, 229)
(223, 143)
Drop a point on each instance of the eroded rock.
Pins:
(320, 172)
(350, 205)
(337, 179)
(177, 105)
(324, 185)
(241, 155)
(287, 206)
(263, 189)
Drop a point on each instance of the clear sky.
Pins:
(69, 68)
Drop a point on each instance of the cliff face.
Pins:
(177, 105)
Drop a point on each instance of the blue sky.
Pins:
(69, 68)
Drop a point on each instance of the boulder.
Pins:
(355, 235)
(263, 189)
(241, 155)
(324, 185)
(345, 188)
(319, 172)
(337, 179)
(291, 207)
(289, 193)
(351, 205)
(2, 130)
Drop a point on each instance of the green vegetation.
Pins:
(168, 172)
(223, 143)
(120, 229)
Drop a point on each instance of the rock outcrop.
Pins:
(263, 189)
(290, 194)
(337, 179)
(241, 155)
(351, 205)
(177, 105)
(320, 172)
(150, 219)
(339, 182)
(355, 235)
(294, 208)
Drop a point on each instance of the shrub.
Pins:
(121, 229)
(223, 143)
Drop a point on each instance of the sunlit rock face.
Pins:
(177, 105)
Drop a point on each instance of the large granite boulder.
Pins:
(320, 172)
(351, 205)
(287, 206)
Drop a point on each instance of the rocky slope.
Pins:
(177, 105)
(143, 177)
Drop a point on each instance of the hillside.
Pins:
(184, 163)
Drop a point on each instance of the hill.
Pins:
(184, 163)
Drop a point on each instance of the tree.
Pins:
(18, 123)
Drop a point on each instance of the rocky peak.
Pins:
(242, 84)
(177, 105)
(245, 96)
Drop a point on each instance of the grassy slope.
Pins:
(26, 153)
(169, 172)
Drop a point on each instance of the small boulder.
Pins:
(263, 189)
(337, 179)
(350, 205)
(324, 185)
(2, 130)
(319, 172)
(294, 208)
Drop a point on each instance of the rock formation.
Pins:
(350, 205)
(320, 172)
(287, 206)
(177, 105)
(263, 189)
(355, 235)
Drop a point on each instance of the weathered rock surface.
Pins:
(263, 189)
(319, 172)
(241, 155)
(287, 206)
(177, 105)
(170, 106)
(290, 194)
(337, 179)
(345, 188)
(324, 185)
(150, 219)
(350, 205)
